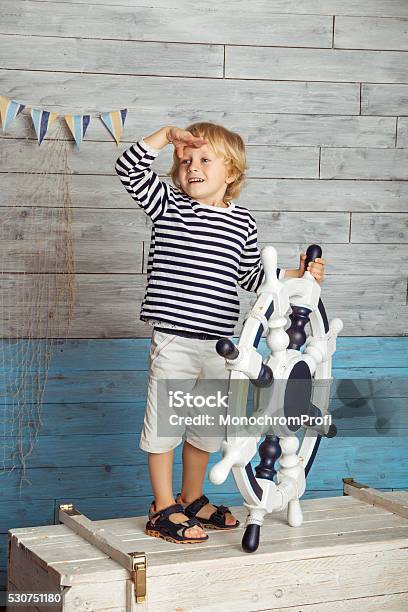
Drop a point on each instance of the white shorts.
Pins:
(173, 357)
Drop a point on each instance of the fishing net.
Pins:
(37, 291)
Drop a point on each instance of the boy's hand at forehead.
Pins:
(182, 138)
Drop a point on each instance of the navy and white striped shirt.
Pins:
(198, 252)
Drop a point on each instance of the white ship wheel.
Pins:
(294, 381)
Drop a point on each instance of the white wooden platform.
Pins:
(347, 553)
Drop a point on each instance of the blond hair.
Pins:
(225, 144)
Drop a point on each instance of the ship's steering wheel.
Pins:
(293, 381)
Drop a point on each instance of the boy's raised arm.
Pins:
(141, 182)
(133, 167)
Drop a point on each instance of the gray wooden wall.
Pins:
(318, 89)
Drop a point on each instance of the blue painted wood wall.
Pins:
(327, 141)
(87, 451)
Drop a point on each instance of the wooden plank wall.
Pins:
(319, 91)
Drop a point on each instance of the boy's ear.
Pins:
(232, 177)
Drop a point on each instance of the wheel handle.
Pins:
(227, 349)
(313, 252)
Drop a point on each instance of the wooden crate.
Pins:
(347, 552)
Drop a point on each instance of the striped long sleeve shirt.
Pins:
(198, 253)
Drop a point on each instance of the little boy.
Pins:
(202, 245)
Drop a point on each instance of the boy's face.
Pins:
(203, 175)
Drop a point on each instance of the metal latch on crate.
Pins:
(139, 575)
(107, 542)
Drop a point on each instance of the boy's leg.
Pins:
(165, 360)
(161, 472)
(195, 458)
(195, 463)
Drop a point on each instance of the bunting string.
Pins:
(42, 119)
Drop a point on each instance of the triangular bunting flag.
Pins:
(42, 120)
(115, 121)
(78, 124)
(9, 109)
